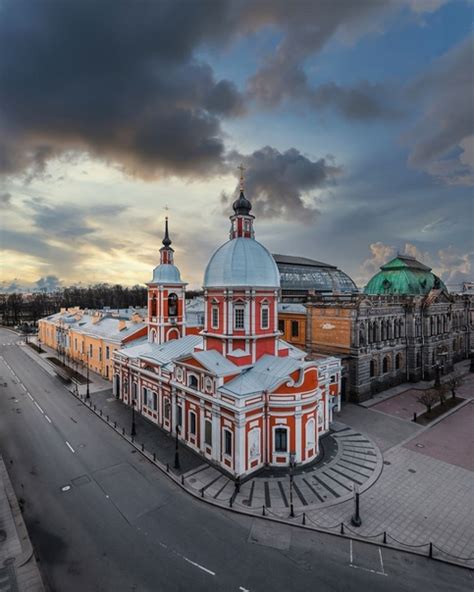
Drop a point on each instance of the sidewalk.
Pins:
(18, 568)
(461, 368)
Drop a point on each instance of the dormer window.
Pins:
(264, 317)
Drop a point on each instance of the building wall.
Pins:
(286, 322)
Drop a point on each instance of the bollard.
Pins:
(143, 447)
(115, 424)
(182, 479)
(202, 492)
(342, 527)
(230, 503)
(107, 419)
(384, 537)
(123, 431)
(154, 459)
(304, 518)
(167, 467)
(414, 416)
(101, 412)
(431, 551)
(263, 510)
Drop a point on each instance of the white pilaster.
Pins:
(216, 434)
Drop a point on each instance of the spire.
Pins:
(242, 206)
(166, 241)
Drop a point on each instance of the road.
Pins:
(102, 518)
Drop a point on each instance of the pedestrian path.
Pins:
(351, 460)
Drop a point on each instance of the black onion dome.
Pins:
(166, 241)
(242, 206)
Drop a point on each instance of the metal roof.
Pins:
(165, 273)
(166, 352)
(215, 362)
(403, 275)
(293, 260)
(242, 262)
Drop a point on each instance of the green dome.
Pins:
(403, 275)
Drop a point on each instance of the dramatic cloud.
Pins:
(276, 182)
(49, 283)
(444, 136)
(5, 199)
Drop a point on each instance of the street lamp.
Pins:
(292, 466)
(355, 520)
(133, 432)
(176, 450)
(437, 382)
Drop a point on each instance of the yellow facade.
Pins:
(81, 348)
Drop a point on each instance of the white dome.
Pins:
(242, 262)
(166, 274)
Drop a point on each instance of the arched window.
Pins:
(281, 440)
(192, 381)
(372, 368)
(153, 311)
(398, 361)
(152, 336)
(172, 305)
(362, 336)
(386, 364)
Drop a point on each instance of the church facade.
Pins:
(235, 393)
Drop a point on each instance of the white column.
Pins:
(202, 425)
(216, 434)
(298, 443)
(174, 411)
(239, 453)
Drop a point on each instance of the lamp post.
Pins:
(133, 432)
(292, 466)
(176, 450)
(437, 381)
(355, 520)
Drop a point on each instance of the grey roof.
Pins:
(164, 353)
(215, 362)
(293, 307)
(265, 375)
(293, 260)
(195, 312)
(294, 352)
(165, 273)
(242, 262)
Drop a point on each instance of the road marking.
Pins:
(199, 566)
(350, 551)
(39, 407)
(66, 488)
(23, 387)
(30, 396)
(47, 418)
(244, 589)
(381, 560)
(70, 447)
(374, 571)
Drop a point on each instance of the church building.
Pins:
(236, 393)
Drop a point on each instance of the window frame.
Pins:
(277, 439)
(265, 310)
(227, 437)
(294, 324)
(215, 316)
(239, 314)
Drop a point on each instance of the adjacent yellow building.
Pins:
(90, 337)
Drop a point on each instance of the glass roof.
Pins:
(323, 279)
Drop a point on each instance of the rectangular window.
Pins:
(145, 397)
(155, 402)
(228, 442)
(192, 423)
(215, 317)
(208, 433)
(265, 317)
(180, 415)
(75, 344)
(281, 325)
(281, 440)
(91, 351)
(107, 353)
(100, 354)
(134, 391)
(167, 409)
(239, 317)
(295, 329)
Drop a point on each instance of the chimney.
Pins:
(122, 325)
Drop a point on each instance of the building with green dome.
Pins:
(404, 275)
(405, 327)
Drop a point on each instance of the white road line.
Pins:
(39, 407)
(30, 396)
(23, 387)
(243, 589)
(350, 551)
(70, 447)
(374, 571)
(199, 566)
(381, 560)
(47, 418)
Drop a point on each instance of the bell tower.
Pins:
(166, 297)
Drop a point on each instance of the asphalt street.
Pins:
(102, 518)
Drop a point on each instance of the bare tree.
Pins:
(428, 398)
(443, 390)
(453, 383)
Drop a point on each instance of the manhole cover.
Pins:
(411, 471)
(66, 488)
(420, 445)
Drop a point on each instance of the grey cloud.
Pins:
(48, 283)
(276, 182)
(443, 137)
(5, 199)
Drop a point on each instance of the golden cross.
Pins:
(241, 169)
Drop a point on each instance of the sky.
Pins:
(354, 122)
